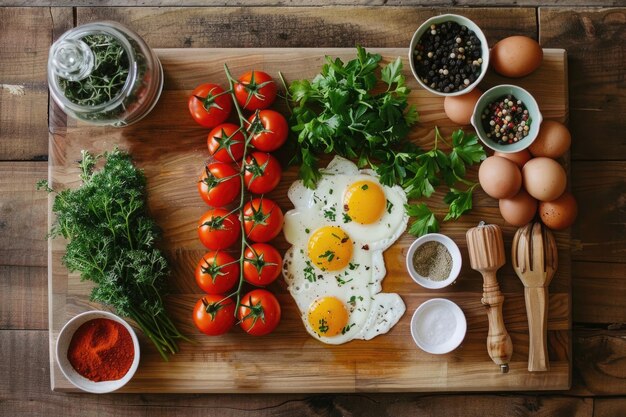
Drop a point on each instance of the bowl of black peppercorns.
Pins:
(449, 55)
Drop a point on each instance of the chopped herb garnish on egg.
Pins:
(346, 218)
(347, 328)
(389, 206)
(330, 214)
(329, 255)
(364, 187)
(323, 328)
(352, 301)
(341, 281)
(309, 275)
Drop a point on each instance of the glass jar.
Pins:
(105, 74)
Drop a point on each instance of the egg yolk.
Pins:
(364, 202)
(328, 316)
(330, 248)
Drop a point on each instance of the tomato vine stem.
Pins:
(242, 171)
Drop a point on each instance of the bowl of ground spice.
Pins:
(97, 351)
(434, 261)
(449, 55)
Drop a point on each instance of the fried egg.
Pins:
(335, 265)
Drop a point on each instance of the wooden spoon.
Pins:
(535, 261)
(486, 252)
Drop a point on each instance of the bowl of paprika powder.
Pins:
(97, 351)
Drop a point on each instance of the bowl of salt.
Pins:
(438, 326)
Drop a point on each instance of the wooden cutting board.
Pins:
(171, 149)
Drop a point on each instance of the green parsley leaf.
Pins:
(425, 220)
(460, 202)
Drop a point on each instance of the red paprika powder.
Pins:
(101, 350)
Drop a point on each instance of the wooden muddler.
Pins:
(486, 253)
(535, 260)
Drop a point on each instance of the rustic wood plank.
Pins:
(298, 27)
(599, 234)
(233, 364)
(26, 393)
(600, 362)
(309, 3)
(609, 407)
(599, 291)
(23, 225)
(594, 39)
(23, 297)
(26, 37)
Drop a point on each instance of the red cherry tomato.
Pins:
(255, 90)
(262, 219)
(226, 143)
(262, 264)
(218, 229)
(209, 105)
(219, 184)
(262, 172)
(270, 130)
(217, 272)
(259, 312)
(214, 314)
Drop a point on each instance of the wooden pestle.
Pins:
(486, 253)
(535, 260)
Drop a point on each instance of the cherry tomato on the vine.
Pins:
(219, 184)
(219, 229)
(262, 264)
(217, 272)
(255, 90)
(209, 105)
(262, 219)
(269, 129)
(262, 172)
(226, 143)
(259, 312)
(214, 314)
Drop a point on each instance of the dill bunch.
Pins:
(112, 243)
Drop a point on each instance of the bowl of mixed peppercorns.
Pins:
(507, 118)
(449, 55)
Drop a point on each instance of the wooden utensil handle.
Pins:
(499, 343)
(537, 313)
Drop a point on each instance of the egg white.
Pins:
(370, 312)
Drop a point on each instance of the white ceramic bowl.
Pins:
(462, 20)
(454, 252)
(531, 105)
(63, 342)
(438, 326)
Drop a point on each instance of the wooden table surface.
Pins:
(594, 38)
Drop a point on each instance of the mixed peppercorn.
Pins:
(448, 57)
(506, 120)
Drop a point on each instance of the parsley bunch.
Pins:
(112, 243)
(345, 111)
(339, 112)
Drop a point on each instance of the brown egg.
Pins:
(544, 178)
(552, 141)
(519, 158)
(559, 214)
(499, 177)
(518, 210)
(516, 56)
(459, 109)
